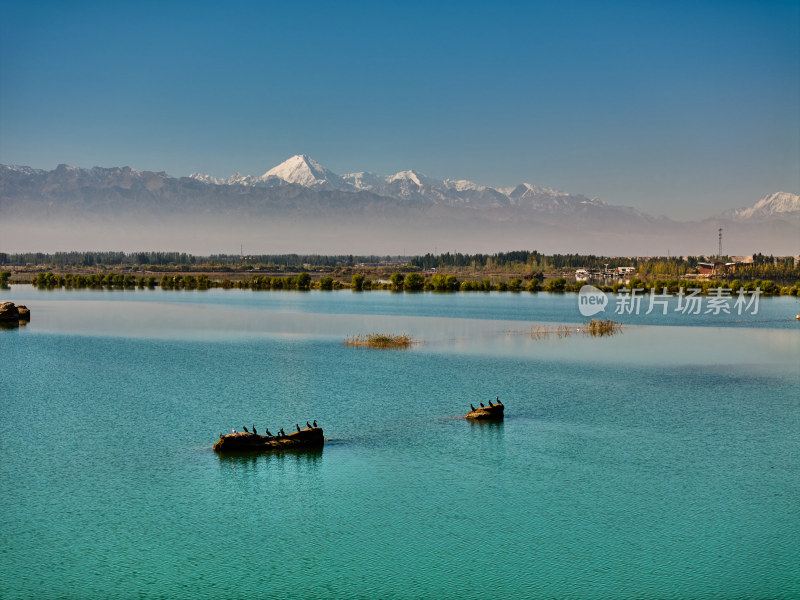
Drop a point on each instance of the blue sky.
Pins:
(676, 108)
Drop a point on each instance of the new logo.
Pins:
(591, 301)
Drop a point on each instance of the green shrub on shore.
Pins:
(357, 282)
(414, 282)
(397, 281)
(444, 283)
(556, 285)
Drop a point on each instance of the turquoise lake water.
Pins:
(663, 462)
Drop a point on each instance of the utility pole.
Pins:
(719, 252)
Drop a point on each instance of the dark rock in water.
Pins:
(9, 312)
(11, 315)
(251, 442)
(494, 412)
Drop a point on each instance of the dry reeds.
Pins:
(594, 328)
(380, 340)
(600, 327)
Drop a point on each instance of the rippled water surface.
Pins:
(663, 462)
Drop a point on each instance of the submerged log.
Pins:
(252, 442)
(494, 412)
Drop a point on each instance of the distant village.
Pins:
(706, 269)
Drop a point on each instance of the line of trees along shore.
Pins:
(398, 282)
(782, 269)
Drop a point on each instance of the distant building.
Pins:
(705, 268)
(715, 268)
(605, 275)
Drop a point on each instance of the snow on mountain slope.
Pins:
(303, 170)
(413, 186)
(416, 189)
(364, 180)
(771, 205)
(208, 178)
(406, 201)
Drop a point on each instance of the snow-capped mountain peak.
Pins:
(205, 178)
(303, 170)
(777, 204)
(463, 185)
(412, 176)
(364, 180)
(418, 189)
(409, 185)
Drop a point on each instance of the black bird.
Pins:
(233, 430)
(498, 400)
(481, 403)
(490, 403)
(472, 407)
(254, 429)
(307, 425)
(268, 433)
(282, 432)
(298, 426)
(315, 423)
(245, 429)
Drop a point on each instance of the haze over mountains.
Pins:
(300, 206)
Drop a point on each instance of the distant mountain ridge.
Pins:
(301, 202)
(778, 204)
(413, 186)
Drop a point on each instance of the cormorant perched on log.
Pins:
(298, 427)
(254, 429)
(233, 430)
(490, 403)
(308, 425)
(282, 432)
(268, 433)
(315, 423)
(472, 407)
(245, 429)
(498, 400)
(481, 403)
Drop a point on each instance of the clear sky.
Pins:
(676, 108)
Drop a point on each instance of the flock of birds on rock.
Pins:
(281, 432)
(490, 403)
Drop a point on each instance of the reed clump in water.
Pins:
(601, 327)
(594, 328)
(380, 340)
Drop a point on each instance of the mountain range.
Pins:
(414, 188)
(302, 206)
